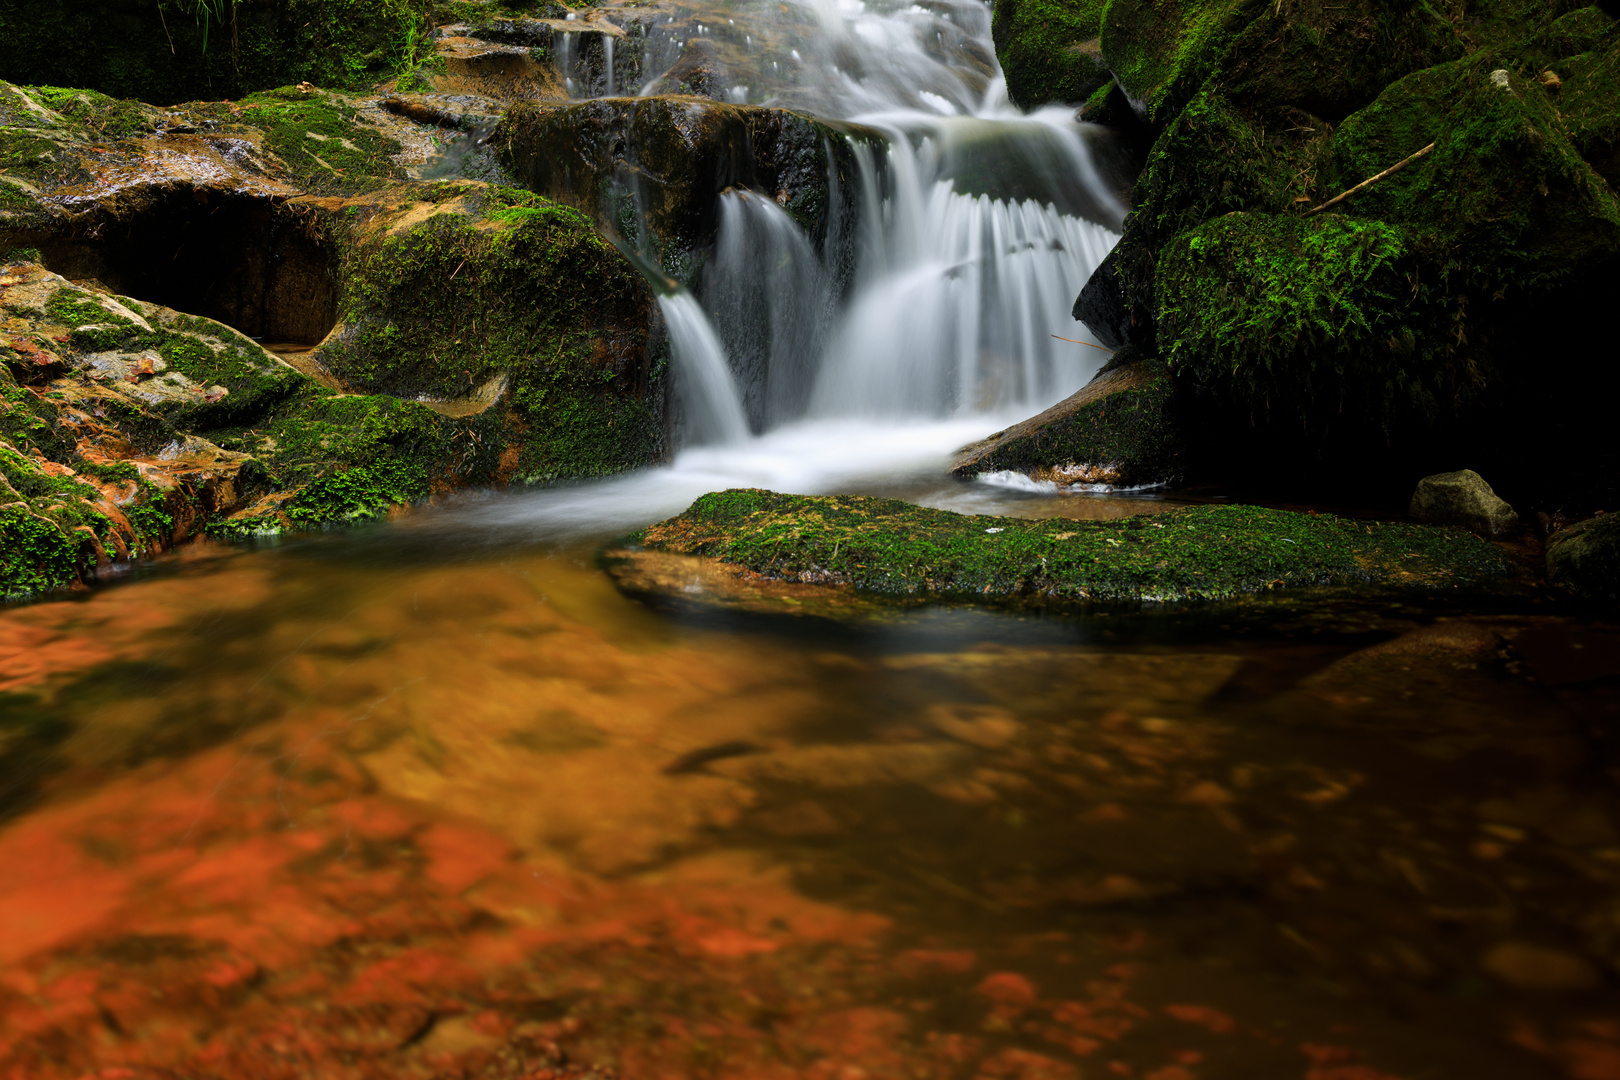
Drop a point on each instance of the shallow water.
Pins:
(403, 803)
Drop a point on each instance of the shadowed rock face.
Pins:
(663, 161)
(1117, 429)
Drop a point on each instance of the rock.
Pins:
(1049, 51)
(1534, 967)
(1118, 429)
(1462, 498)
(672, 156)
(1585, 558)
(1328, 345)
(892, 548)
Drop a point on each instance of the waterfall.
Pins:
(771, 301)
(977, 226)
(712, 412)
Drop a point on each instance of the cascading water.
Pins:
(976, 226)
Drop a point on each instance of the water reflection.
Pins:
(312, 811)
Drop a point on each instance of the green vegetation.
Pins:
(1049, 49)
(499, 283)
(893, 548)
(189, 50)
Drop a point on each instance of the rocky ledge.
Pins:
(735, 542)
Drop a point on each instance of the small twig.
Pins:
(1391, 171)
(1077, 341)
(457, 270)
(165, 23)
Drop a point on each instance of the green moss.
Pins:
(505, 284)
(1199, 553)
(97, 114)
(1161, 51)
(326, 148)
(35, 555)
(1504, 207)
(76, 307)
(1048, 49)
(1303, 316)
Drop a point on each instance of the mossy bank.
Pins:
(891, 548)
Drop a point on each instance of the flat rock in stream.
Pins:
(893, 549)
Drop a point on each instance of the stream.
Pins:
(431, 798)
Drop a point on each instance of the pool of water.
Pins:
(433, 799)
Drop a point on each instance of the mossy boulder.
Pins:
(1049, 49)
(171, 52)
(1118, 429)
(474, 297)
(1585, 558)
(1416, 320)
(891, 548)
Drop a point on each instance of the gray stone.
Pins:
(1462, 498)
(1585, 558)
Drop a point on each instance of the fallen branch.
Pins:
(1391, 171)
(1077, 341)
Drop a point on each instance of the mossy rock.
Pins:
(165, 54)
(1118, 429)
(891, 548)
(1049, 49)
(1585, 559)
(1161, 52)
(453, 290)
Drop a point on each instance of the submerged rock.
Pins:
(1585, 558)
(1118, 429)
(892, 548)
(1462, 498)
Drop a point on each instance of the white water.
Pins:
(711, 411)
(978, 225)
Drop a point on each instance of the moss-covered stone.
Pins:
(1585, 559)
(451, 288)
(160, 52)
(1447, 295)
(1119, 429)
(1049, 49)
(893, 548)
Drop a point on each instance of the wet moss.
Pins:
(1049, 49)
(326, 148)
(39, 557)
(497, 283)
(1309, 317)
(889, 547)
(96, 114)
(1161, 53)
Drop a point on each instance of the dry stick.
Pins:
(1391, 171)
(1077, 341)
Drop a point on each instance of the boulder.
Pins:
(1049, 50)
(890, 548)
(1462, 498)
(1585, 558)
(1118, 429)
